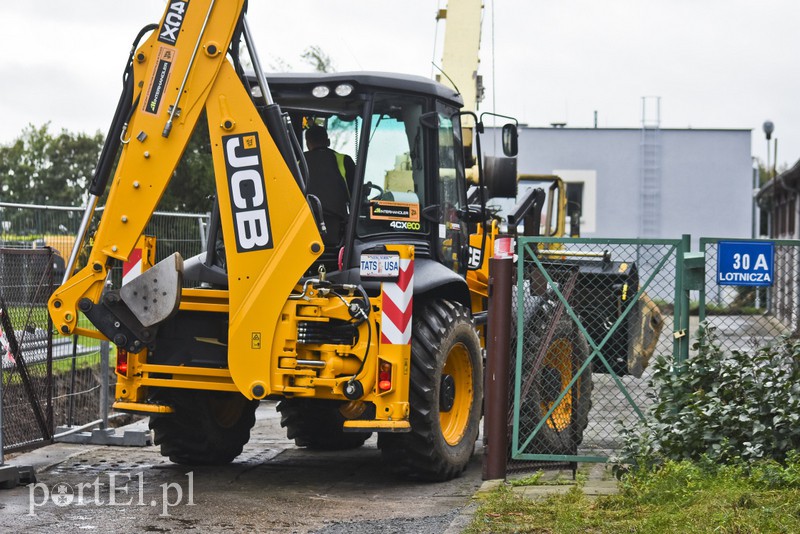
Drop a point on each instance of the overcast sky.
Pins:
(714, 63)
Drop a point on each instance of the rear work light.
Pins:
(321, 91)
(122, 362)
(384, 376)
(344, 89)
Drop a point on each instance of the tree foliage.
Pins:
(192, 184)
(40, 167)
(765, 175)
(318, 59)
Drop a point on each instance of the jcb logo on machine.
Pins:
(475, 256)
(247, 192)
(172, 22)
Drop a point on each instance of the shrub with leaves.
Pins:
(721, 406)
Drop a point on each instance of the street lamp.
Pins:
(768, 128)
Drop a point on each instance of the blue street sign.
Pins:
(745, 263)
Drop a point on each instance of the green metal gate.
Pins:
(588, 317)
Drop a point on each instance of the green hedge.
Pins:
(722, 406)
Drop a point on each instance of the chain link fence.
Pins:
(49, 381)
(33, 226)
(748, 317)
(61, 383)
(591, 315)
(26, 346)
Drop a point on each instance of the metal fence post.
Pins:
(2, 428)
(104, 354)
(10, 475)
(680, 348)
(701, 305)
(497, 368)
(72, 383)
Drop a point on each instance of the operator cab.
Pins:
(404, 134)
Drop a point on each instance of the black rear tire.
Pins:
(445, 397)
(206, 428)
(317, 425)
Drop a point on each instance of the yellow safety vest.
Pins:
(340, 164)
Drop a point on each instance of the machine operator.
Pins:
(331, 176)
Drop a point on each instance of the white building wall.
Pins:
(706, 177)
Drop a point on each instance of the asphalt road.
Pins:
(272, 487)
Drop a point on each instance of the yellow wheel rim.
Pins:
(456, 394)
(558, 363)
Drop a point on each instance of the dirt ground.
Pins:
(272, 487)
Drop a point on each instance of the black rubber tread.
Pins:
(549, 440)
(195, 435)
(317, 424)
(423, 452)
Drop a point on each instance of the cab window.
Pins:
(393, 188)
(453, 237)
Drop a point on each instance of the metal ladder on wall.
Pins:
(650, 169)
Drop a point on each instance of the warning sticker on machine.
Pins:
(255, 340)
(394, 211)
(159, 80)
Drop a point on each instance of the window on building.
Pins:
(574, 198)
(581, 191)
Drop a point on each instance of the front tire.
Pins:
(445, 395)
(206, 428)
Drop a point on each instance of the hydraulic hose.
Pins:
(121, 116)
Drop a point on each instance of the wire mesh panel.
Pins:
(178, 232)
(25, 345)
(32, 226)
(42, 237)
(174, 232)
(77, 379)
(748, 317)
(591, 314)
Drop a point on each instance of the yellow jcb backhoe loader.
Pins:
(368, 331)
(371, 327)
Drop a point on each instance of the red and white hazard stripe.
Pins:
(397, 305)
(133, 267)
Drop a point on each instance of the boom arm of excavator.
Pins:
(460, 59)
(180, 70)
(462, 42)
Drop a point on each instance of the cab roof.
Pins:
(369, 80)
